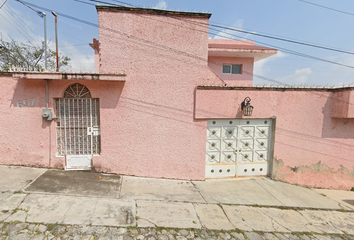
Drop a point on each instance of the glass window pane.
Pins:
(236, 69)
(226, 68)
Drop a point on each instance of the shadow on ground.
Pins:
(81, 183)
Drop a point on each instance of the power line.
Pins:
(329, 8)
(28, 6)
(250, 32)
(283, 49)
(283, 39)
(23, 25)
(159, 46)
(17, 29)
(290, 51)
(49, 27)
(208, 26)
(3, 4)
(193, 22)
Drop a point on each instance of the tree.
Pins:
(29, 57)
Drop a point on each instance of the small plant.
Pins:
(352, 189)
(238, 231)
(51, 226)
(15, 210)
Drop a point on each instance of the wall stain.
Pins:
(317, 175)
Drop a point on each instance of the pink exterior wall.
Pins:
(23, 134)
(246, 76)
(311, 147)
(27, 139)
(151, 130)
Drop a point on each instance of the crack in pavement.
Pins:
(223, 210)
(315, 218)
(195, 186)
(196, 213)
(272, 219)
(309, 223)
(147, 221)
(18, 207)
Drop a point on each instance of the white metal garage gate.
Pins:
(78, 127)
(238, 147)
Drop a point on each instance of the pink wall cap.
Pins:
(152, 11)
(239, 49)
(70, 76)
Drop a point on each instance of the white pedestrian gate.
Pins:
(238, 147)
(78, 127)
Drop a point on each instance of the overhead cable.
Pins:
(329, 8)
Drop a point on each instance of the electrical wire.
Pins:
(23, 24)
(250, 32)
(159, 46)
(3, 4)
(162, 46)
(329, 8)
(29, 40)
(232, 35)
(280, 48)
(283, 49)
(287, 50)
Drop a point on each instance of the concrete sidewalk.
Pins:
(33, 195)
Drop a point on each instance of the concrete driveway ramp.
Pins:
(80, 183)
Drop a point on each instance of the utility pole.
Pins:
(45, 41)
(56, 39)
(44, 16)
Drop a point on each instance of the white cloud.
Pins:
(300, 76)
(161, 5)
(80, 61)
(227, 33)
(326, 73)
(261, 67)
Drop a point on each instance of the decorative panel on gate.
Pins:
(238, 147)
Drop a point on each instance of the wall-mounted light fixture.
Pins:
(246, 107)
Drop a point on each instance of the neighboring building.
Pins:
(165, 102)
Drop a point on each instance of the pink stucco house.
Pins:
(165, 102)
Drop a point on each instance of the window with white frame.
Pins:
(231, 68)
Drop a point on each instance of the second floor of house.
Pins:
(171, 46)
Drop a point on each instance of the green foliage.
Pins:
(29, 57)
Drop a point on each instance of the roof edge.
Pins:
(152, 11)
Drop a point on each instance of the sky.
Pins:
(296, 20)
